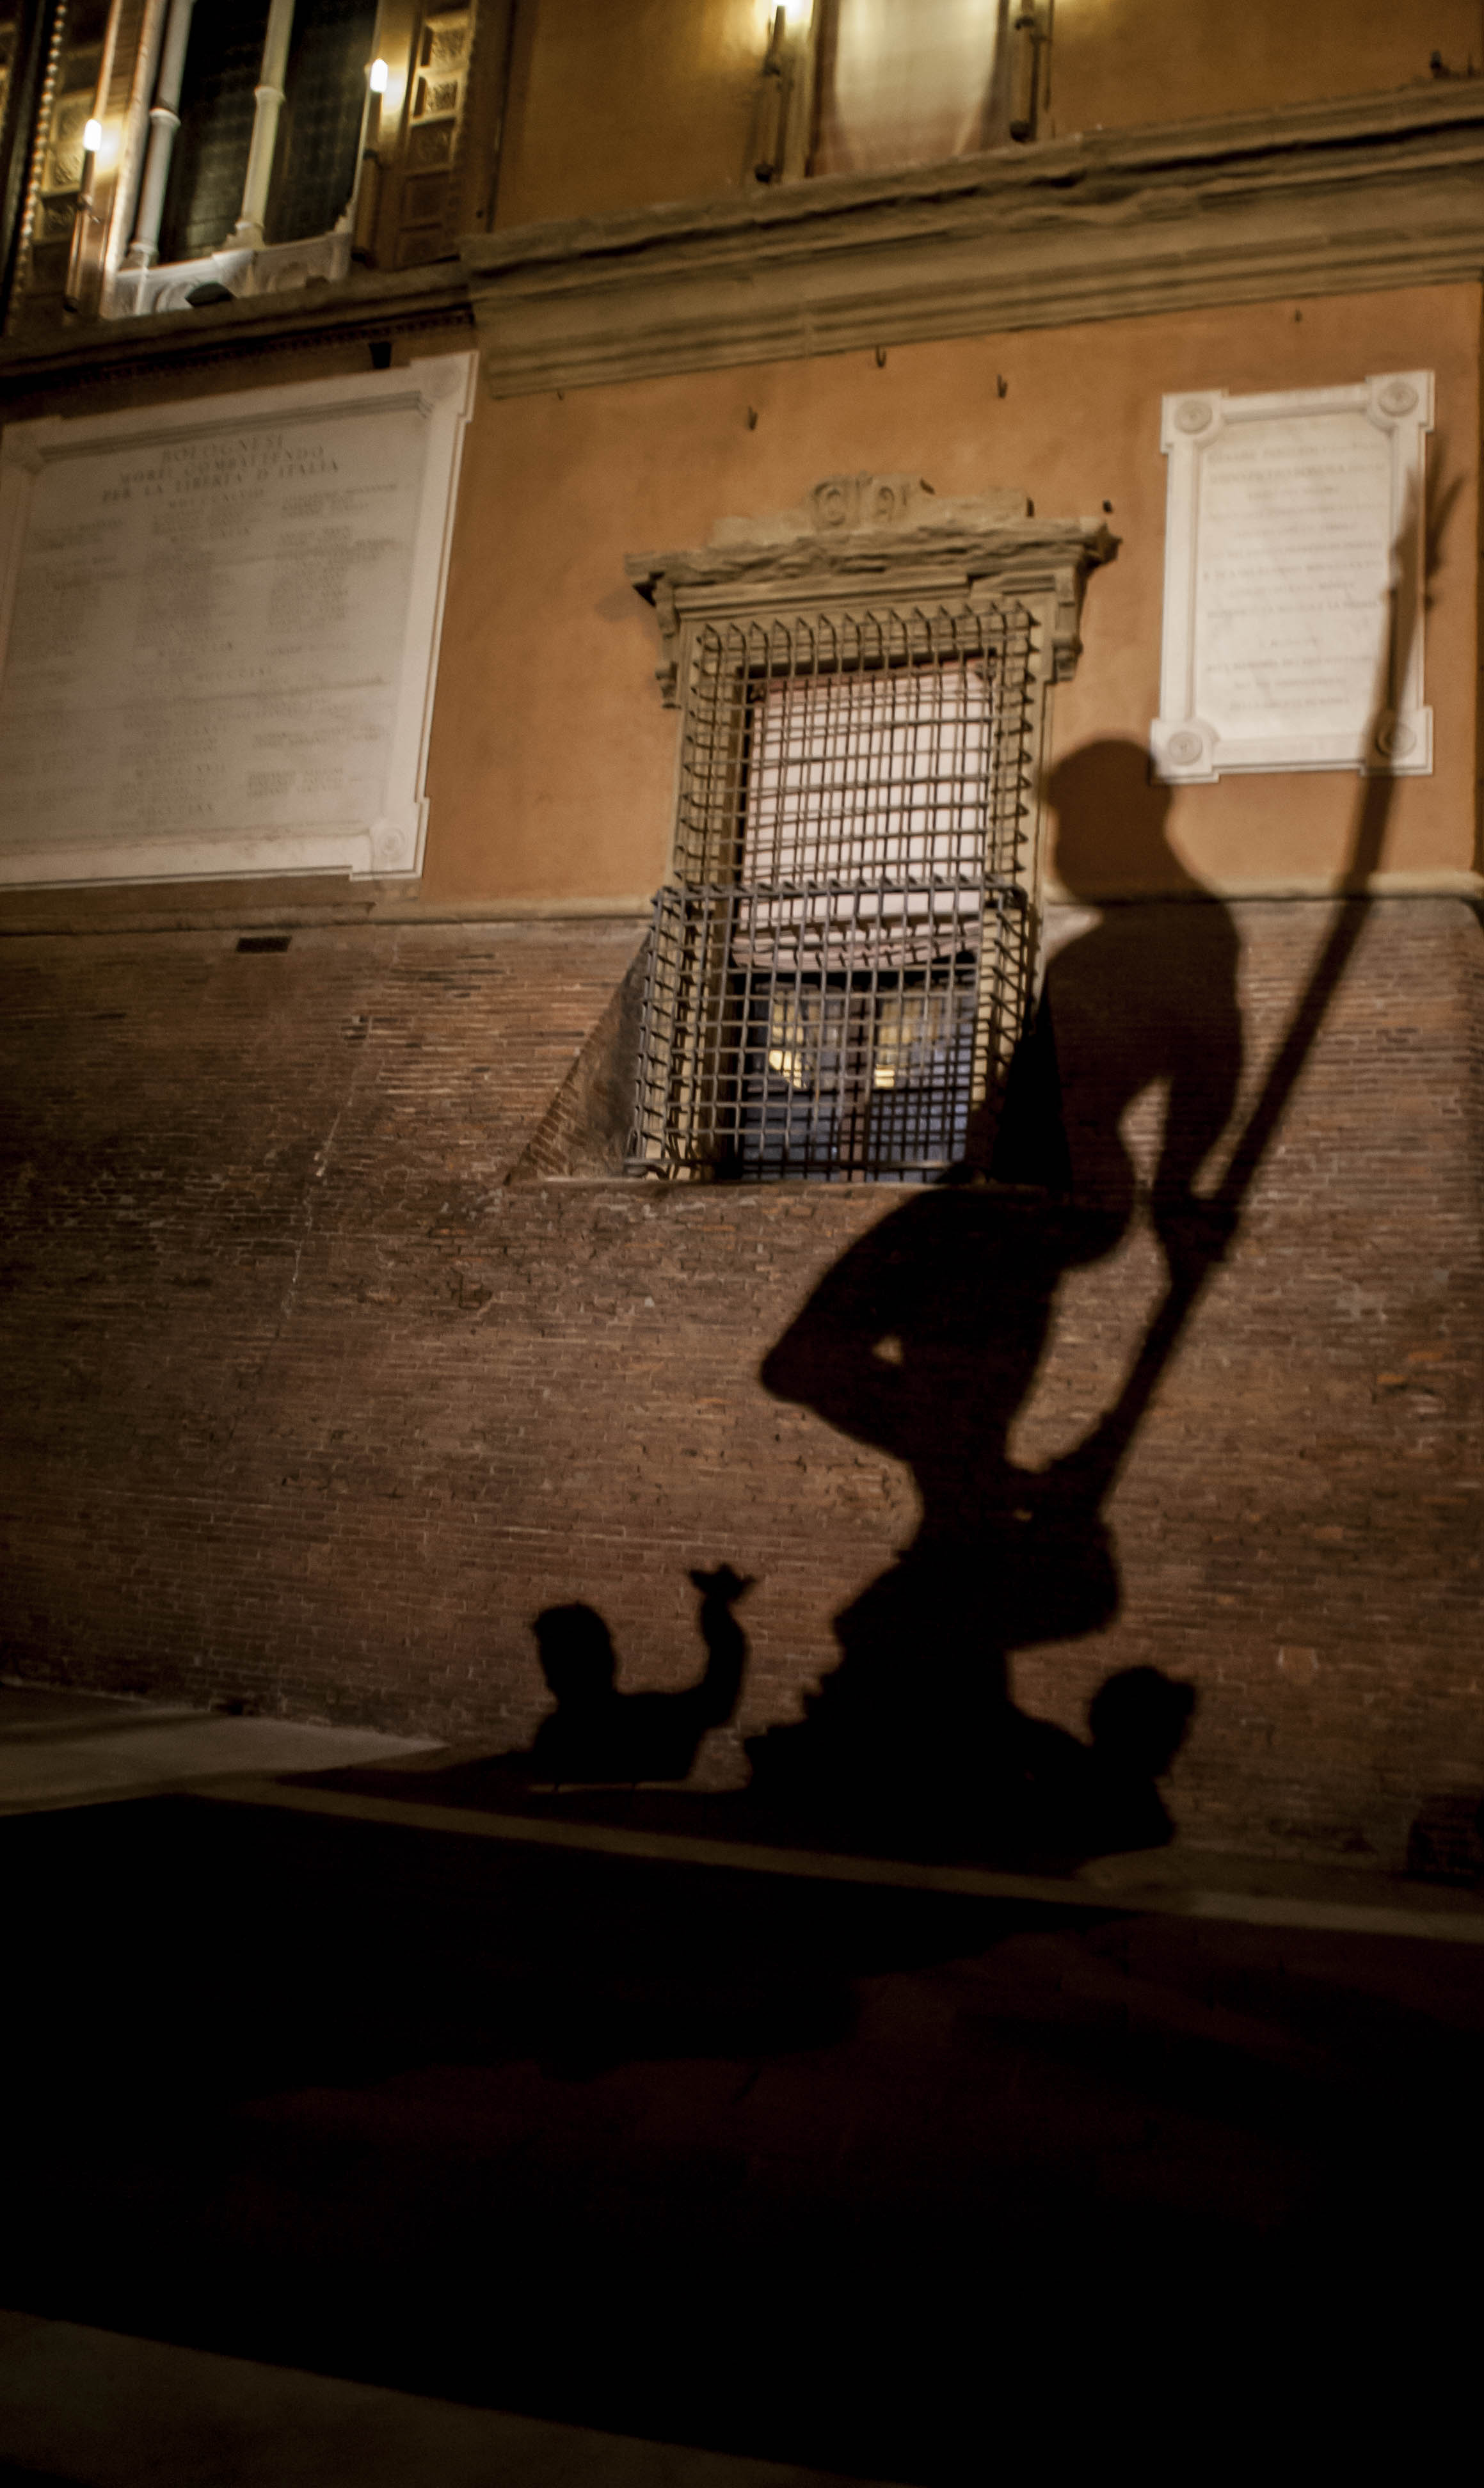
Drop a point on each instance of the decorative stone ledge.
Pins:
(891, 536)
(1324, 198)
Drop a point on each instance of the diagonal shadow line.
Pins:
(1092, 1470)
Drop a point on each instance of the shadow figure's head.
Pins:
(576, 1652)
(1138, 1720)
(1112, 818)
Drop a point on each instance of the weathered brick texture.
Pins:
(310, 1407)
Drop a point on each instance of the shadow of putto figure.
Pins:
(925, 1342)
(597, 1734)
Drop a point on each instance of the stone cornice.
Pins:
(1344, 197)
(1321, 198)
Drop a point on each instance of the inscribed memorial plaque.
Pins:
(1293, 584)
(218, 630)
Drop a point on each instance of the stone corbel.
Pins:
(662, 597)
(1067, 637)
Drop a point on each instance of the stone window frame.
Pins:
(889, 542)
(244, 263)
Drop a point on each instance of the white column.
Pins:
(267, 99)
(165, 121)
(135, 137)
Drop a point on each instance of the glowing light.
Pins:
(378, 77)
(91, 136)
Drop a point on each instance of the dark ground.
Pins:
(851, 2177)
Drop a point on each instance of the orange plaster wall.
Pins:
(623, 103)
(552, 762)
(1119, 63)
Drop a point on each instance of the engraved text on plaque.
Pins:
(223, 621)
(1292, 580)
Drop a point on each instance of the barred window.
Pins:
(837, 968)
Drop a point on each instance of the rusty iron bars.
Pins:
(839, 970)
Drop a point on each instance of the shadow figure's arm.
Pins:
(1203, 1082)
(716, 1697)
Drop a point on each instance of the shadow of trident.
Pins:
(1089, 1473)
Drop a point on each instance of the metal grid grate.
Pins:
(839, 971)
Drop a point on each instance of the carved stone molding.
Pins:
(890, 536)
(1326, 198)
(843, 503)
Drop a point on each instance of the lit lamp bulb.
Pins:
(365, 199)
(91, 141)
(376, 88)
(86, 216)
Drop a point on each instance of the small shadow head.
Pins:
(577, 1653)
(1138, 1720)
(1112, 819)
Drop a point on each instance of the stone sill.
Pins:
(367, 304)
(100, 913)
(78, 913)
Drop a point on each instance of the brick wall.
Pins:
(311, 1408)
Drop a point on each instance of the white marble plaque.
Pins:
(1294, 579)
(218, 630)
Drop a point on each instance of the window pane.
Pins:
(210, 158)
(325, 90)
(905, 82)
(861, 773)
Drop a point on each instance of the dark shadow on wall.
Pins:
(1446, 1839)
(926, 1341)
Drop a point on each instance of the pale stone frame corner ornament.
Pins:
(1386, 730)
(382, 834)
